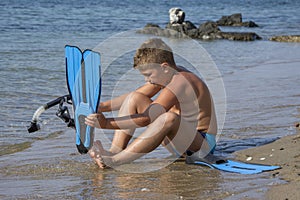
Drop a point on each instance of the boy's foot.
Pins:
(96, 153)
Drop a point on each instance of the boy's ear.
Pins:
(165, 66)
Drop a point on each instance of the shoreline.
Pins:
(284, 152)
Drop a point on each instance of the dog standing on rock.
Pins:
(176, 16)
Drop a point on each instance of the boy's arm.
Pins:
(98, 120)
(148, 90)
(163, 103)
(113, 104)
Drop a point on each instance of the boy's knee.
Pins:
(169, 119)
(137, 97)
(137, 102)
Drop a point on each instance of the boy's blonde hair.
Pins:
(153, 51)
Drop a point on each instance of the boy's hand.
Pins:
(96, 120)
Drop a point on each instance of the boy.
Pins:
(181, 118)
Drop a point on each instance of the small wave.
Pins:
(13, 148)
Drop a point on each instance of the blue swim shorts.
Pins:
(211, 140)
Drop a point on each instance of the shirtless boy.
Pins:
(181, 117)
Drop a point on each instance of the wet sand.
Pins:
(284, 152)
(37, 171)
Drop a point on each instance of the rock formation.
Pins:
(210, 30)
(286, 38)
(235, 20)
(206, 31)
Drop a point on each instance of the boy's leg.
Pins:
(181, 134)
(165, 124)
(134, 103)
(194, 146)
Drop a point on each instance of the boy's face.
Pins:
(154, 74)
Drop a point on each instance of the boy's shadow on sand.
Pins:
(230, 146)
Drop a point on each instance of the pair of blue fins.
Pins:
(84, 84)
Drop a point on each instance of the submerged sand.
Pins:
(284, 152)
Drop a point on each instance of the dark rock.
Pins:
(189, 25)
(184, 28)
(286, 38)
(150, 25)
(245, 36)
(176, 27)
(193, 33)
(235, 20)
(249, 24)
(209, 30)
(156, 30)
(230, 20)
(152, 29)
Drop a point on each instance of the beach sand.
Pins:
(284, 152)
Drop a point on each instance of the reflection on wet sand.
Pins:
(177, 181)
(53, 175)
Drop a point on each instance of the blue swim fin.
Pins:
(84, 85)
(215, 162)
